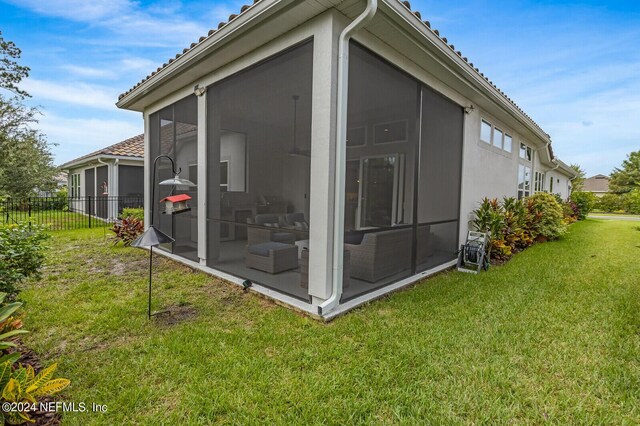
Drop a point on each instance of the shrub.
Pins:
(127, 230)
(609, 203)
(584, 201)
(546, 216)
(21, 385)
(21, 255)
(138, 213)
(631, 202)
(515, 234)
(10, 327)
(489, 218)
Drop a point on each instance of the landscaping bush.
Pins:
(489, 218)
(546, 215)
(584, 202)
(514, 225)
(138, 213)
(127, 230)
(22, 386)
(21, 255)
(631, 202)
(609, 203)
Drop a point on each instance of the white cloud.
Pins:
(89, 72)
(82, 94)
(125, 18)
(79, 136)
(137, 64)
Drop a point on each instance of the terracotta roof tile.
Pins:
(406, 4)
(132, 147)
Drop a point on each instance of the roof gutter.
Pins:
(341, 152)
(74, 163)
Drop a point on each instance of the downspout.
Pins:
(341, 153)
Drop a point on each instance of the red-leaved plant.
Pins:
(127, 230)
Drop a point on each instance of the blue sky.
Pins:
(573, 66)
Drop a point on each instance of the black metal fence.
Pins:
(67, 213)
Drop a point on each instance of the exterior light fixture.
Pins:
(199, 91)
(246, 284)
(469, 109)
(153, 237)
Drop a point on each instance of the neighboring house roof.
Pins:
(129, 148)
(597, 183)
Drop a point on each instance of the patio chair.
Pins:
(267, 228)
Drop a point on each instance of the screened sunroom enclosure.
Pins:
(402, 183)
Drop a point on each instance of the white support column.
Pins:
(202, 178)
(147, 171)
(325, 62)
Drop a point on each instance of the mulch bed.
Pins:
(41, 418)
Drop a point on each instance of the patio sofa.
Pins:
(383, 254)
(267, 228)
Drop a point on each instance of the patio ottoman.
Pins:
(271, 257)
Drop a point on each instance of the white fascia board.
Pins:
(467, 71)
(258, 12)
(94, 158)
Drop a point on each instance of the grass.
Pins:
(53, 219)
(617, 214)
(552, 336)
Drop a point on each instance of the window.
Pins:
(524, 181)
(497, 138)
(75, 185)
(551, 184)
(507, 142)
(525, 152)
(390, 132)
(538, 185)
(485, 132)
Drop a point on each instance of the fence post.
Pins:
(89, 196)
(29, 208)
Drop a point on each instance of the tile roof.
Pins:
(132, 147)
(427, 24)
(597, 183)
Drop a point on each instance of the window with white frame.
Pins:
(508, 141)
(485, 131)
(525, 152)
(75, 185)
(524, 171)
(495, 136)
(524, 181)
(538, 182)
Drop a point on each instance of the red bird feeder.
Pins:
(176, 204)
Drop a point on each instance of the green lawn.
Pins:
(54, 219)
(554, 335)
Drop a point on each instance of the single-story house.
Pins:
(598, 185)
(104, 182)
(339, 148)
